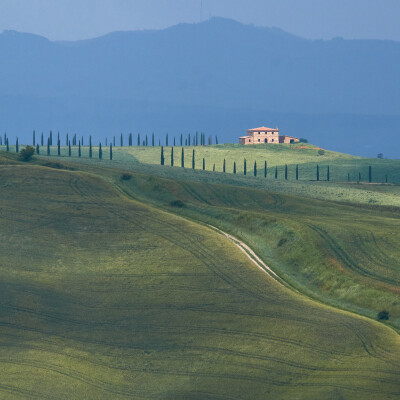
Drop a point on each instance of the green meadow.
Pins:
(114, 286)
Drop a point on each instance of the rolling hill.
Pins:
(106, 295)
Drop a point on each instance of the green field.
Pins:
(107, 292)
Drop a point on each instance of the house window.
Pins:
(258, 139)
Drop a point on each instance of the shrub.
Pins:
(321, 152)
(177, 203)
(27, 153)
(302, 140)
(126, 177)
(282, 242)
(383, 315)
(57, 165)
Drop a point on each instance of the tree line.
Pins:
(322, 173)
(197, 139)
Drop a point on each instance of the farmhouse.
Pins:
(266, 135)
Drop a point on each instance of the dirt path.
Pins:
(250, 254)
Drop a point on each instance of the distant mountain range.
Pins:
(219, 76)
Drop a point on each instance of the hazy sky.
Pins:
(79, 19)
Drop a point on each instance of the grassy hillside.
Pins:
(106, 297)
(348, 256)
(147, 159)
(303, 154)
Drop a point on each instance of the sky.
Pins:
(314, 19)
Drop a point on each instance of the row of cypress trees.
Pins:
(198, 139)
(255, 169)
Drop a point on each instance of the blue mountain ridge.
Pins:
(219, 76)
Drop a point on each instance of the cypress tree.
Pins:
(234, 167)
(146, 141)
(204, 164)
(58, 147)
(48, 146)
(130, 139)
(7, 146)
(90, 146)
(174, 141)
(183, 159)
(152, 139)
(265, 169)
(185, 142)
(197, 138)
(100, 152)
(285, 172)
(66, 140)
(369, 174)
(216, 139)
(82, 141)
(244, 167)
(328, 174)
(37, 149)
(51, 138)
(162, 155)
(34, 138)
(114, 141)
(181, 139)
(138, 139)
(74, 140)
(16, 145)
(214, 167)
(166, 139)
(110, 151)
(69, 148)
(297, 172)
(223, 167)
(41, 140)
(317, 172)
(188, 142)
(193, 162)
(255, 168)
(172, 156)
(79, 149)
(276, 172)
(122, 140)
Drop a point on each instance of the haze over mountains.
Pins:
(220, 77)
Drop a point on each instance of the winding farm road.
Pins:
(250, 254)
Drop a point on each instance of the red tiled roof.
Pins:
(262, 128)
